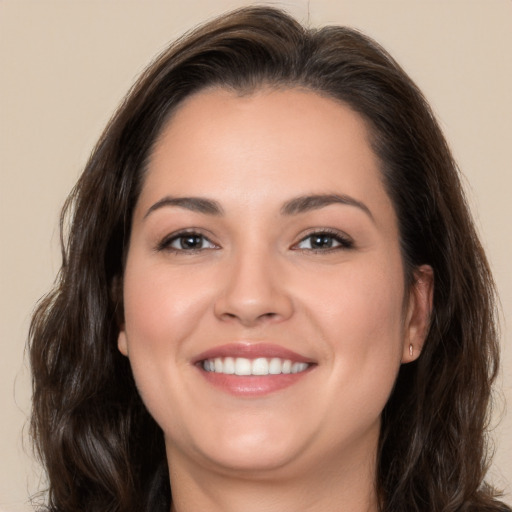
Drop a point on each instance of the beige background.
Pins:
(64, 66)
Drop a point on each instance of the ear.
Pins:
(116, 295)
(122, 343)
(419, 309)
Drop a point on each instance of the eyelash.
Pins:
(166, 243)
(344, 242)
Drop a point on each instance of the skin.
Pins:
(255, 279)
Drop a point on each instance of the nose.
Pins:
(253, 292)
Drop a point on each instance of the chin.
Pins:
(261, 449)
(252, 462)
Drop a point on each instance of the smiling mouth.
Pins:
(252, 370)
(260, 366)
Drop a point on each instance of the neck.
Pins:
(326, 487)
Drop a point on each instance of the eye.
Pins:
(186, 242)
(324, 241)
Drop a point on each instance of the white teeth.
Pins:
(259, 366)
(275, 366)
(298, 367)
(228, 366)
(242, 366)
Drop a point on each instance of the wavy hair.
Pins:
(100, 447)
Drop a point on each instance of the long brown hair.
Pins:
(100, 447)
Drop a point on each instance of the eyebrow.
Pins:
(195, 204)
(293, 207)
(315, 202)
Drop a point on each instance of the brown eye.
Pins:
(323, 241)
(187, 242)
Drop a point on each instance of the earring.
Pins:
(410, 350)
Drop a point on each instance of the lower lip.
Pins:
(253, 385)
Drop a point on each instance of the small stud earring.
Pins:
(410, 350)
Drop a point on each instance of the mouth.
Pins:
(259, 366)
(245, 369)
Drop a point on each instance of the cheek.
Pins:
(359, 314)
(161, 313)
(360, 301)
(161, 308)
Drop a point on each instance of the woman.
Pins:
(272, 295)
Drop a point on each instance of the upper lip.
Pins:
(252, 351)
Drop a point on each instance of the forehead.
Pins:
(270, 116)
(274, 143)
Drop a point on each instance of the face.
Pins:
(265, 310)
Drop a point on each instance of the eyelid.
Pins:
(165, 243)
(345, 241)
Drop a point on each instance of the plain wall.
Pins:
(65, 65)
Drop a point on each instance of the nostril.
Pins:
(249, 304)
(250, 320)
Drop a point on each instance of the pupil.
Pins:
(190, 242)
(322, 241)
